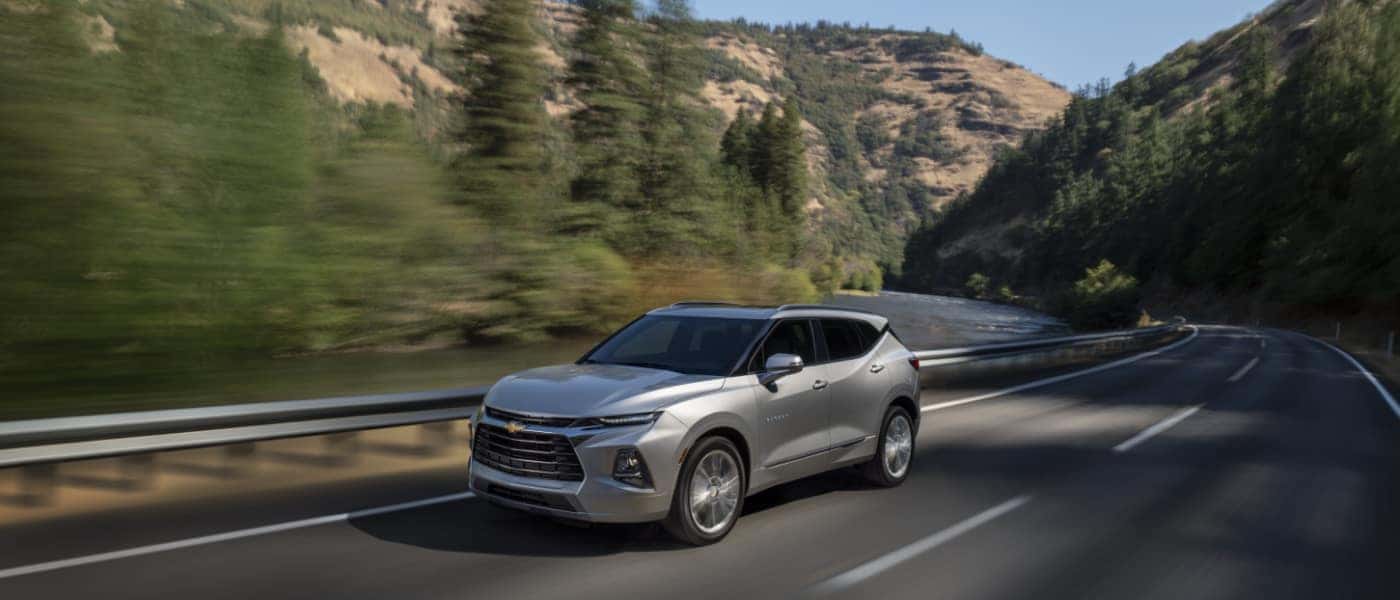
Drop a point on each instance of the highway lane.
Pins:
(1280, 484)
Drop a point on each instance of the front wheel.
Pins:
(709, 494)
(890, 465)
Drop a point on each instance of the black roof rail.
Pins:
(702, 303)
(826, 307)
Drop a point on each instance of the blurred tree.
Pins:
(606, 129)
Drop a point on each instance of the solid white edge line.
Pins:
(1065, 377)
(224, 537)
(1385, 394)
(1161, 426)
(1244, 370)
(895, 558)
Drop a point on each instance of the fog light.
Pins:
(629, 468)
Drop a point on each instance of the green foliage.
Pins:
(1105, 298)
(979, 286)
(503, 174)
(1281, 188)
(607, 130)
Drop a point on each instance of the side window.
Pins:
(869, 334)
(789, 337)
(842, 339)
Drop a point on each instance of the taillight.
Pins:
(914, 362)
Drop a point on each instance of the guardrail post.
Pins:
(1390, 346)
(238, 458)
(343, 447)
(436, 437)
(139, 469)
(38, 484)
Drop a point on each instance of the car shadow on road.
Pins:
(476, 526)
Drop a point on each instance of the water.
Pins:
(930, 322)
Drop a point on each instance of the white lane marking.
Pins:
(1244, 370)
(224, 537)
(1058, 378)
(1385, 394)
(1152, 431)
(893, 559)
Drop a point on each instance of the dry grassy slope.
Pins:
(1292, 20)
(984, 101)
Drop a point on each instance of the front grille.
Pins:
(506, 415)
(554, 501)
(527, 453)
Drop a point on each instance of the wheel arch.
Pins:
(910, 406)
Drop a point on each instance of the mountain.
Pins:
(1251, 172)
(899, 123)
(185, 182)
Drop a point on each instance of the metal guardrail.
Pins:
(951, 356)
(101, 436)
(49, 441)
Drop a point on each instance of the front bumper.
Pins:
(598, 498)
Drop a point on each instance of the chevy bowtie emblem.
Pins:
(515, 427)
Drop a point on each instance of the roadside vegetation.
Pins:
(1278, 189)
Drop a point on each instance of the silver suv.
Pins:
(689, 409)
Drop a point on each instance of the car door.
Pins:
(859, 382)
(794, 410)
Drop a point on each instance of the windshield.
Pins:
(690, 345)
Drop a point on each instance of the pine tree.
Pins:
(787, 171)
(606, 130)
(502, 172)
(680, 156)
(736, 147)
(764, 140)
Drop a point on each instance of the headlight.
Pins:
(629, 468)
(622, 420)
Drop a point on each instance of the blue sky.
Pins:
(1069, 41)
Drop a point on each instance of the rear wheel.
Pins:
(709, 495)
(895, 454)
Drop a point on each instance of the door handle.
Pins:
(876, 368)
(818, 385)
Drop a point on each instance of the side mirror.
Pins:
(779, 366)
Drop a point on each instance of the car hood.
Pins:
(596, 390)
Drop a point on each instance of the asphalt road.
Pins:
(1238, 464)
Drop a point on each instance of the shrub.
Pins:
(1105, 298)
(979, 286)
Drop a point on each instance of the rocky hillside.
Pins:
(919, 118)
(1254, 168)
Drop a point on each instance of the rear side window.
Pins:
(843, 340)
(869, 334)
(788, 337)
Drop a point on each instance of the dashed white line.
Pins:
(1243, 370)
(224, 537)
(1152, 431)
(895, 558)
(1065, 377)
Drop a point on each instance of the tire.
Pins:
(884, 469)
(718, 458)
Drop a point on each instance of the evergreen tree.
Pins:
(680, 155)
(502, 172)
(736, 147)
(607, 129)
(787, 164)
